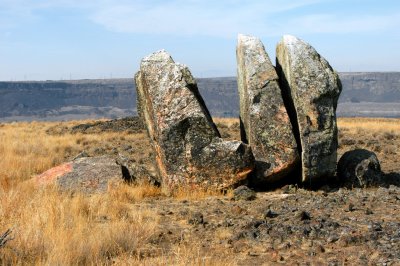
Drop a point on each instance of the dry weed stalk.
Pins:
(5, 237)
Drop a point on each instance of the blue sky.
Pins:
(63, 39)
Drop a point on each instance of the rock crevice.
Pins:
(265, 122)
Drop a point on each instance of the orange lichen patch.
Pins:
(243, 174)
(283, 167)
(312, 118)
(161, 166)
(269, 74)
(282, 115)
(51, 175)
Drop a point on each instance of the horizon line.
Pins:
(210, 77)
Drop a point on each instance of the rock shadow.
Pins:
(392, 178)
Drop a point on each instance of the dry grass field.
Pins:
(122, 226)
(381, 135)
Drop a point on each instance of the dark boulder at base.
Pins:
(310, 88)
(265, 123)
(186, 142)
(359, 168)
(244, 193)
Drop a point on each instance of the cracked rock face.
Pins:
(265, 123)
(311, 89)
(187, 144)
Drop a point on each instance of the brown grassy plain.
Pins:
(381, 135)
(118, 227)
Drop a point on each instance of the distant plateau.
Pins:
(365, 94)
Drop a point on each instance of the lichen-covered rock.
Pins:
(187, 144)
(265, 124)
(359, 168)
(86, 175)
(310, 88)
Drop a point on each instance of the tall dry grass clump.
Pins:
(59, 229)
(26, 149)
(53, 228)
(196, 193)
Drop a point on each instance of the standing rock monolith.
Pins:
(311, 89)
(187, 144)
(265, 123)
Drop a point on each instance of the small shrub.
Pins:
(377, 148)
(389, 150)
(389, 135)
(348, 142)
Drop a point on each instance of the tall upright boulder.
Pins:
(265, 123)
(187, 144)
(311, 89)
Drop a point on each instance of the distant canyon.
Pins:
(367, 94)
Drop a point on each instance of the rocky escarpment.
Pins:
(186, 142)
(382, 87)
(97, 98)
(264, 120)
(374, 94)
(57, 100)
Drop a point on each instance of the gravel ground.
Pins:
(290, 225)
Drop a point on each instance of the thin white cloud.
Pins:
(328, 23)
(216, 18)
(194, 17)
(227, 18)
(206, 17)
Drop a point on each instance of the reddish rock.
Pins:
(87, 175)
(51, 175)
